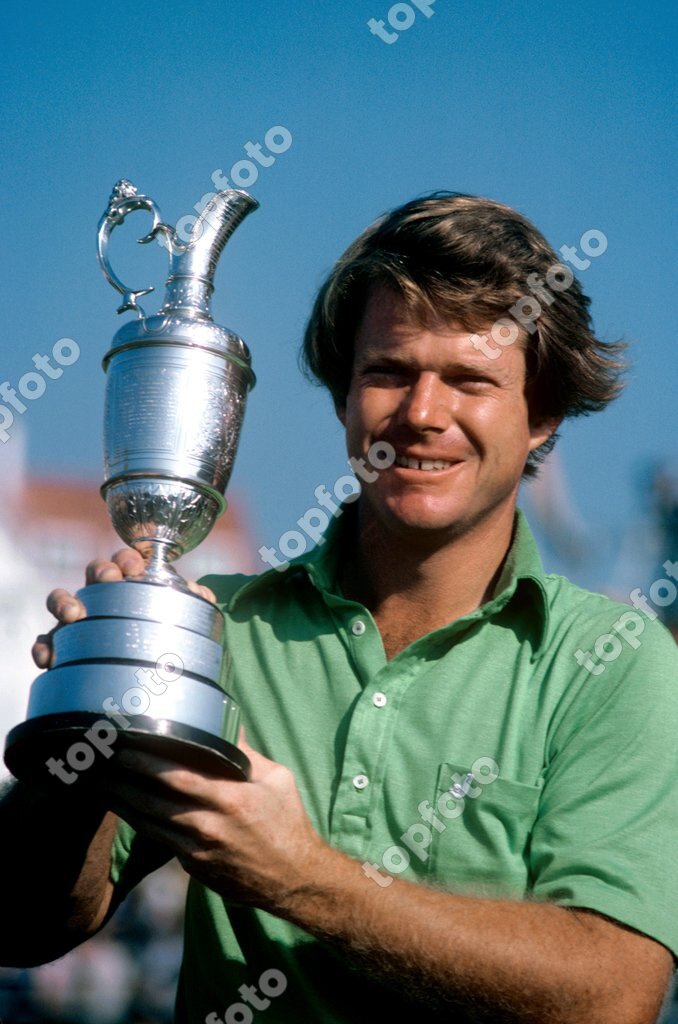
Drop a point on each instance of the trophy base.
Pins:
(69, 748)
(111, 688)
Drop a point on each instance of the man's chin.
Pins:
(419, 520)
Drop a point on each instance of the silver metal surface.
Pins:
(173, 412)
(115, 692)
(175, 401)
(176, 391)
(140, 599)
(124, 199)
(143, 642)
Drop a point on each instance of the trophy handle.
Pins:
(125, 199)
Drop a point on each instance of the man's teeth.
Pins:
(425, 464)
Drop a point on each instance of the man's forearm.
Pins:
(502, 960)
(54, 872)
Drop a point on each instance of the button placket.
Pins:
(368, 730)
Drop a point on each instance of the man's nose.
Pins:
(428, 404)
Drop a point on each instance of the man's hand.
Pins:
(66, 608)
(250, 842)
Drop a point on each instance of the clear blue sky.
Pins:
(559, 110)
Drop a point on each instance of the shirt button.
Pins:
(379, 700)
(358, 627)
(360, 781)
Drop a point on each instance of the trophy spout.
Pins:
(192, 266)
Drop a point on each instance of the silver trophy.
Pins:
(144, 667)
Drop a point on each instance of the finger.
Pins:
(42, 650)
(259, 764)
(137, 796)
(145, 762)
(163, 771)
(102, 571)
(247, 749)
(129, 561)
(158, 774)
(164, 830)
(152, 816)
(202, 591)
(64, 606)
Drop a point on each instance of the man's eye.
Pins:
(472, 382)
(383, 372)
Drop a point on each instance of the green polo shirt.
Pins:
(485, 759)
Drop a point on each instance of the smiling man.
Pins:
(415, 713)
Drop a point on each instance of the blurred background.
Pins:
(560, 111)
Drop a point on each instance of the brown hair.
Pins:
(466, 260)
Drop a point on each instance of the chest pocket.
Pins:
(483, 848)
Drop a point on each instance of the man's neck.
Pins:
(413, 585)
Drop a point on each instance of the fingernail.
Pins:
(102, 574)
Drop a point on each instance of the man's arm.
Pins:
(507, 962)
(55, 853)
(504, 961)
(54, 873)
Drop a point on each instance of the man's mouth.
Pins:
(427, 465)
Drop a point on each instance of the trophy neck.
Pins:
(157, 555)
(189, 296)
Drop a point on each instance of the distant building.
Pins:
(63, 524)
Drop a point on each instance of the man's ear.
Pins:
(341, 413)
(541, 430)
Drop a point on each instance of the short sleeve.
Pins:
(606, 837)
(121, 851)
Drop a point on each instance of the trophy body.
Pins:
(144, 667)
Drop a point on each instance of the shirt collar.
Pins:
(522, 577)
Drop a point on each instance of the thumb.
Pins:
(257, 759)
(243, 744)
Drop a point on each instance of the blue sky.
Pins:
(561, 111)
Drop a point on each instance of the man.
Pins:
(462, 808)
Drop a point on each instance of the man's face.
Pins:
(458, 421)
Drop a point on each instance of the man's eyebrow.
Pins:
(377, 353)
(473, 363)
